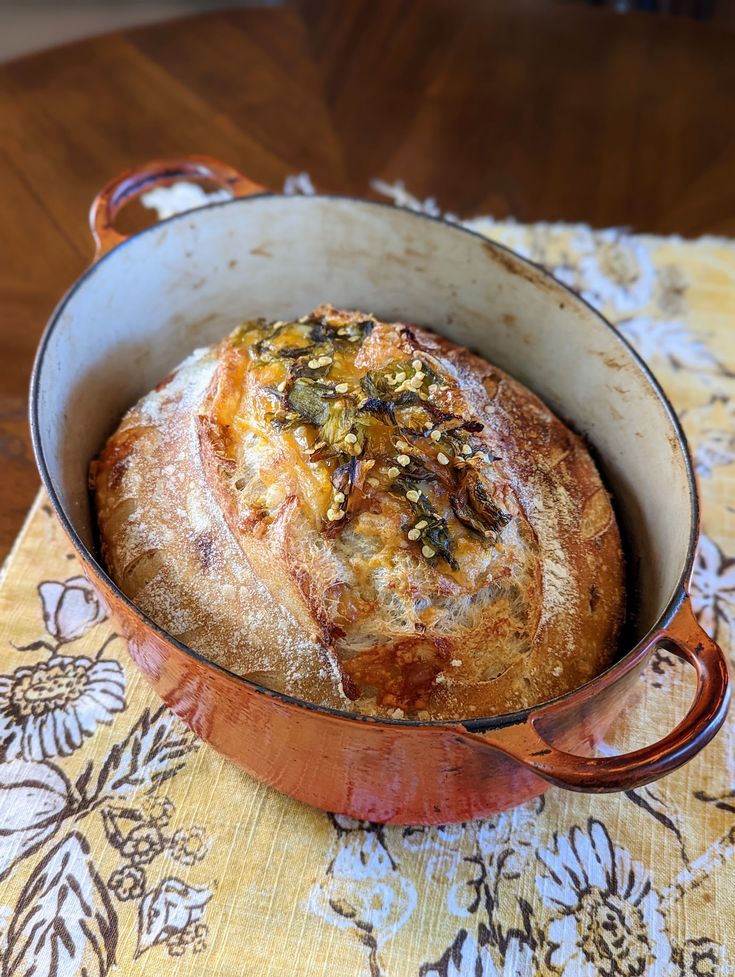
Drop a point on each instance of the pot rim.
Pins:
(474, 724)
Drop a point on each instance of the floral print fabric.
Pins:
(128, 848)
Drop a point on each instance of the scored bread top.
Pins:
(367, 516)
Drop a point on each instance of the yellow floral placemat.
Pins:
(128, 848)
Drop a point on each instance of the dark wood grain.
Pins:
(530, 108)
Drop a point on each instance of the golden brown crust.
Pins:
(213, 518)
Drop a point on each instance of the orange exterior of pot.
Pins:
(397, 771)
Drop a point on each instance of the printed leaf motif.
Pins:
(650, 801)
(64, 922)
(34, 799)
(154, 750)
(469, 956)
(713, 589)
(459, 958)
(724, 801)
(169, 909)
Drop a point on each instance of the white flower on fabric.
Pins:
(70, 608)
(183, 196)
(713, 588)
(501, 846)
(401, 197)
(363, 889)
(167, 201)
(711, 428)
(362, 857)
(703, 957)
(434, 837)
(298, 183)
(513, 831)
(451, 851)
(616, 274)
(606, 920)
(612, 271)
(6, 915)
(444, 845)
(381, 906)
(34, 799)
(47, 710)
(668, 340)
(169, 909)
(715, 448)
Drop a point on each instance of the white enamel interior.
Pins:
(184, 283)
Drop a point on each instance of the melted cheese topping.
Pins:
(402, 524)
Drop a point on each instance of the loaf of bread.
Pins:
(365, 516)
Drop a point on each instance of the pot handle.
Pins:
(686, 639)
(128, 185)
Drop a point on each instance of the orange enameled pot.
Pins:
(148, 300)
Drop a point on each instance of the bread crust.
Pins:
(351, 616)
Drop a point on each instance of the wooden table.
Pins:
(536, 109)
